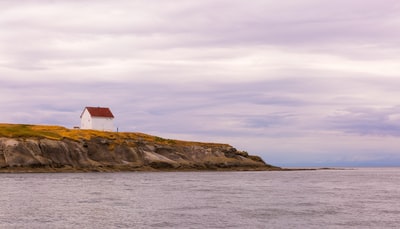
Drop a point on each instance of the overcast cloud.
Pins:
(307, 82)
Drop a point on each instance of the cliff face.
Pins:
(120, 154)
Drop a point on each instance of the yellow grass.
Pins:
(59, 133)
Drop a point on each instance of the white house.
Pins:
(97, 118)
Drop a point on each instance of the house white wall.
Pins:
(105, 124)
(96, 123)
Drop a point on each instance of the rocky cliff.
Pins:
(41, 148)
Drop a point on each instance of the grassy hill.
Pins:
(59, 133)
(28, 147)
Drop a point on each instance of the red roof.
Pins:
(104, 112)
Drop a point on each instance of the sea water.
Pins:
(350, 198)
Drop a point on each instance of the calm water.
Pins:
(361, 198)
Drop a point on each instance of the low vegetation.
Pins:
(59, 133)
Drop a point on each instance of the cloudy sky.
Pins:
(300, 83)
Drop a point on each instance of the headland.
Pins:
(41, 148)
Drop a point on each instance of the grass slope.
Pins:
(59, 133)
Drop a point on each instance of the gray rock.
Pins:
(99, 154)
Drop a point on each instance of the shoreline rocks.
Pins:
(99, 154)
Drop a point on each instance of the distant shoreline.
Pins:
(149, 169)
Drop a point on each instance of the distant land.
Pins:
(40, 148)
